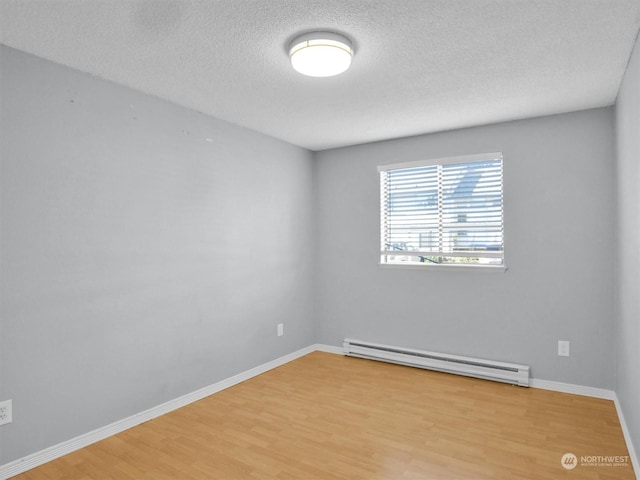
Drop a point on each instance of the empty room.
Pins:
(319, 240)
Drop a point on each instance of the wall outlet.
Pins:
(280, 329)
(563, 348)
(6, 415)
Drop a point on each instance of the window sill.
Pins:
(427, 266)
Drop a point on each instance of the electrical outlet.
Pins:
(280, 329)
(563, 348)
(5, 412)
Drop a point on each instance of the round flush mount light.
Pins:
(320, 54)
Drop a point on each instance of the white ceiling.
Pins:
(420, 66)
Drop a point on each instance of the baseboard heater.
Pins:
(442, 362)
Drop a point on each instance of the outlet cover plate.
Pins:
(563, 348)
(6, 414)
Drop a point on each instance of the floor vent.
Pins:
(442, 362)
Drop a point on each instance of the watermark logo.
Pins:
(569, 461)
(604, 461)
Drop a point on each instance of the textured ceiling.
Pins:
(420, 66)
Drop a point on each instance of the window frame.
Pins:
(463, 159)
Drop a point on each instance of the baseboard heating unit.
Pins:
(442, 362)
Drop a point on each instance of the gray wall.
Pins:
(627, 345)
(140, 261)
(559, 199)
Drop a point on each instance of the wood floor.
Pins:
(329, 417)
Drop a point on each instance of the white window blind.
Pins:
(446, 211)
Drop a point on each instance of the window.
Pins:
(443, 212)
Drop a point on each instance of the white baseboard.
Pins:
(574, 389)
(328, 349)
(627, 437)
(39, 458)
(56, 451)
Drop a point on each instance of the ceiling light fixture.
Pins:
(320, 54)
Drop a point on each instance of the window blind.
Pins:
(447, 211)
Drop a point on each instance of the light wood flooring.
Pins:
(329, 417)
